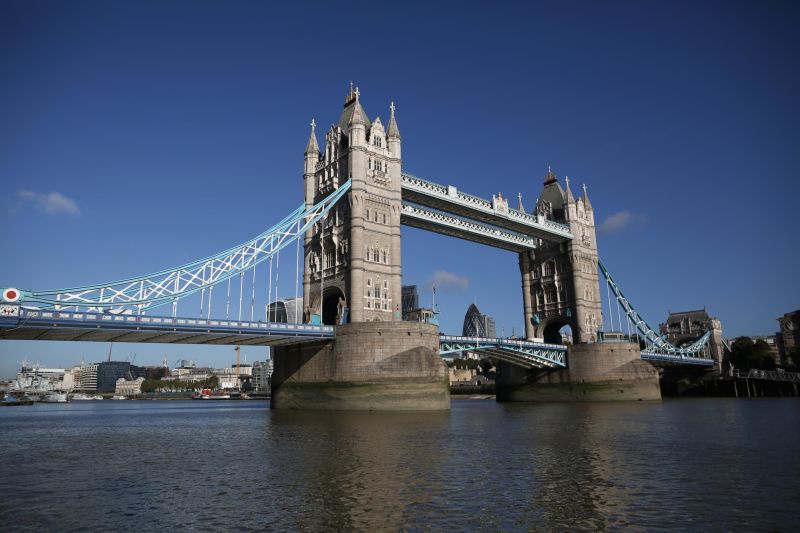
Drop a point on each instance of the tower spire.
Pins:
(568, 197)
(550, 177)
(586, 203)
(312, 147)
(393, 130)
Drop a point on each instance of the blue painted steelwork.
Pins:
(657, 348)
(449, 199)
(168, 286)
(529, 354)
(30, 324)
(463, 228)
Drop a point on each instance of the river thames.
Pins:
(694, 464)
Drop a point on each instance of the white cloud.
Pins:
(53, 203)
(619, 221)
(445, 281)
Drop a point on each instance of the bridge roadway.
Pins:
(33, 324)
(20, 323)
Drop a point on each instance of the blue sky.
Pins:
(136, 136)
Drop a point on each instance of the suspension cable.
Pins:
(296, 279)
(269, 287)
(253, 295)
(277, 284)
(610, 311)
(228, 302)
(241, 291)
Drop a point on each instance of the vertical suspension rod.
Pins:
(296, 273)
(269, 285)
(253, 295)
(228, 302)
(241, 291)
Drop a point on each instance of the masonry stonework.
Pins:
(369, 366)
(352, 257)
(596, 372)
(560, 284)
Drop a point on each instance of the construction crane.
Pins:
(238, 375)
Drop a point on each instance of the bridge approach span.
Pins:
(108, 327)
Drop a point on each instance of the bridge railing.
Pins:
(454, 195)
(158, 322)
(510, 342)
(769, 375)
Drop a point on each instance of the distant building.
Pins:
(421, 315)
(84, 377)
(788, 337)
(410, 300)
(262, 375)
(476, 324)
(108, 372)
(286, 311)
(687, 326)
(129, 387)
(229, 378)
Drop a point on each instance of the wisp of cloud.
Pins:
(53, 203)
(445, 281)
(618, 221)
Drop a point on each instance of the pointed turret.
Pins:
(312, 147)
(393, 139)
(568, 197)
(586, 203)
(552, 195)
(353, 113)
(393, 131)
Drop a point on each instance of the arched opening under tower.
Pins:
(557, 332)
(330, 306)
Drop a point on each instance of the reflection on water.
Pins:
(699, 464)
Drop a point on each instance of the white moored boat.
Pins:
(55, 397)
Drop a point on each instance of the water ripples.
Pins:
(146, 466)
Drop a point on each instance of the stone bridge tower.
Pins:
(560, 282)
(352, 259)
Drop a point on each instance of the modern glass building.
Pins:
(476, 324)
(286, 311)
(410, 299)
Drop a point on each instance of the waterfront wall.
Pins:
(368, 366)
(596, 372)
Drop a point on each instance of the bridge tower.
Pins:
(560, 282)
(352, 259)
(352, 279)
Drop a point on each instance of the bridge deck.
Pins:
(106, 327)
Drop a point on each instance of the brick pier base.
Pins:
(596, 372)
(369, 366)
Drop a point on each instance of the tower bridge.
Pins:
(349, 347)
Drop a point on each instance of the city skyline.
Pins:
(124, 155)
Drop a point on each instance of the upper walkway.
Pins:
(445, 209)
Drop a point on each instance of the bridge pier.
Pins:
(383, 366)
(596, 372)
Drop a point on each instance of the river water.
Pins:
(698, 464)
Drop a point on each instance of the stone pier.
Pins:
(369, 366)
(596, 372)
